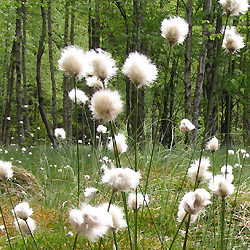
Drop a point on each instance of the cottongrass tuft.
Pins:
(186, 126)
(139, 69)
(91, 222)
(78, 96)
(121, 145)
(221, 185)
(102, 65)
(25, 229)
(213, 145)
(140, 200)
(60, 133)
(94, 82)
(230, 152)
(6, 171)
(232, 41)
(90, 192)
(23, 210)
(101, 129)
(203, 174)
(234, 7)
(174, 30)
(106, 105)
(193, 203)
(121, 179)
(117, 216)
(73, 61)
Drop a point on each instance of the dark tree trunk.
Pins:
(187, 74)
(5, 137)
(19, 113)
(52, 74)
(38, 77)
(25, 89)
(201, 68)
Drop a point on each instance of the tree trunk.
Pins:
(38, 77)
(52, 74)
(187, 74)
(20, 130)
(5, 137)
(25, 89)
(201, 68)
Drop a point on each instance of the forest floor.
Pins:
(52, 192)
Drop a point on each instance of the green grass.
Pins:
(56, 171)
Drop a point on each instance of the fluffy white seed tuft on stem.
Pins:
(234, 7)
(213, 145)
(174, 30)
(25, 229)
(106, 105)
(6, 171)
(186, 126)
(60, 133)
(94, 82)
(139, 69)
(120, 140)
(101, 129)
(78, 96)
(23, 211)
(221, 185)
(140, 200)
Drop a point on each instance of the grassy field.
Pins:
(56, 193)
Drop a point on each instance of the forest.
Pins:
(149, 96)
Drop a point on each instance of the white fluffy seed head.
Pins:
(90, 192)
(121, 179)
(76, 219)
(101, 129)
(6, 171)
(232, 41)
(213, 144)
(174, 30)
(227, 169)
(234, 7)
(94, 82)
(106, 105)
(73, 61)
(78, 96)
(117, 216)
(26, 230)
(203, 174)
(23, 211)
(186, 126)
(231, 152)
(102, 65)
(140, 201)
(60, 133)
(221, 185)
(139, 69)
(121, 145)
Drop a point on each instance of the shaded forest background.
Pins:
(34, 93)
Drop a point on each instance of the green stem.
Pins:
(177, 232)
(223, 208)
(74, 246)
(5, 226)
(186, 234)
(31, 234)
(213, 199)
(115, 241)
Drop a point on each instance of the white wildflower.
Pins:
(231, 152)
(193, 203)
(221, 185)
(122, 179)
(186, 126)
(60, 133)
(6, 171)
(234, 7)
(23, 211)
(102, 65)
(101, 129)
(139, 69)
(26, 230)
(140, 200)
(174, 30)
(94, 82)
(90, 192)
(213, 144)
(78, 96)
(117, 216)
(203, 173)
(121, 145)
(106, 105)
(232, 41)
(73, 61)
